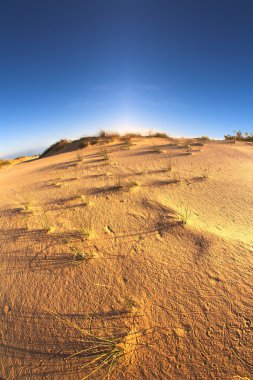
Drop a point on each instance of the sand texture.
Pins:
(128, 261)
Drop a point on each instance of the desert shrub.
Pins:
(203, 138)
(4, 163)
(240, 136)
(156, 149)
(131, 135)
(104, 153)
(160, 134)
(102, 133)
(79, 157)
(168, 167)
(127, 141)
(109, 134)
(188, 149)
(83, 143)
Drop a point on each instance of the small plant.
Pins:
(184, 214)
(205, 171)
(168, 167)
(102, 349)
(104, 154)
(176, 177)
(26, 208)
(188, 149)
(48, 227)
(79, 256)
(79, 157)
(156, 149)
(85, 199)
(118, 184)
(127, 141)
(129, 302)
(57, 184)
(132, 185)
(84, 228)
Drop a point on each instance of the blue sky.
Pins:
(69, 68)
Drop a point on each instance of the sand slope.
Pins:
(182, 294)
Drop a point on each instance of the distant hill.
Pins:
(28, 152)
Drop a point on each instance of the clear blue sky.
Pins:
(71, 67)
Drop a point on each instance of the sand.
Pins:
(125, 253)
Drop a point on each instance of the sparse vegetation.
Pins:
(127, 140)
(83, 143)
(240, 136)
(104, 154)
(159, 134)
(203, 138)
(56, 147)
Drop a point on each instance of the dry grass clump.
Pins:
(127, 141)
(26, 207)
(184, 213)
(79, 157)
(110, 135)
(188, 149)
(86, 141)
(159, 135)
(104, 153)
(176, 177)
(83, 143)
(79, 256)
(47, 226)
(84, 227)
(57, 184)
(156, 149)
(203, 138)
(205, 171)
(125, 185)
(4, 163)
(103, 347)
(168, 167)
(84, 199)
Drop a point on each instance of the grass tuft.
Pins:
(79, 256)
(184, 213)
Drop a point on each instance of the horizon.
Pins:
(71, 70)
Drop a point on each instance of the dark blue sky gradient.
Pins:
(71, 67)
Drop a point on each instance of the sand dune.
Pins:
(113, 264)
